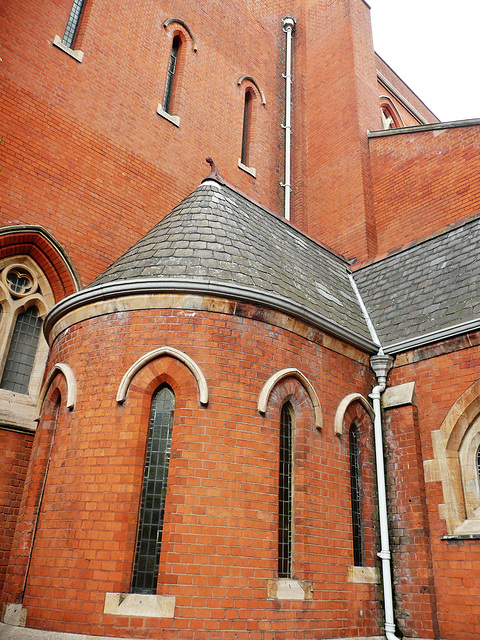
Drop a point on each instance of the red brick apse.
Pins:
(216, 422)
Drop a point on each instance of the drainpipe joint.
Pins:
(288, 24)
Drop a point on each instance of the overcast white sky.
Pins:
(434, 46)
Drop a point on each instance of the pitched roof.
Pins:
(220, 240)
(427, 291)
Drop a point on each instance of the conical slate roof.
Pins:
(220, 242)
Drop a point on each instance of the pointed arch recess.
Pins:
(461, 416)
(183, 24)
(158, 353)
(304, 381)
(255, 84)
(343, 406)
(71, 381)
(48, 253)
(388, 103)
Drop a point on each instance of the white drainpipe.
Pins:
(288, 25)
(381, 365)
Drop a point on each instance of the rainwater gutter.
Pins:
(381, 365)
(288, 25)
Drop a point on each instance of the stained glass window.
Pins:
(152, 507)
(356, 497)
(285, 493)
(21, 353)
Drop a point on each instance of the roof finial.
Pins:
(214, 174)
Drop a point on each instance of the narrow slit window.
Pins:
(285, 494)
(171, 74)
(73, 23)
(152, 506)
(356, 497)
(247, 128)
(22, 351)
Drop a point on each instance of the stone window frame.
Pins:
(162, 366)
(291, 387)
(353, 410)
(391, 118)
(455, 447)
(176, 28)
(251, 93)
(19, 408)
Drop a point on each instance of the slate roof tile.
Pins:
(425, 288)
(216, 234)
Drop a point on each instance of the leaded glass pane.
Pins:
(172, 66)
(356, 497)
(72, 24)
(152, 507)
(285, 494)
(19, 282)
(22, 351)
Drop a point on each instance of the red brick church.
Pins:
(239, 398)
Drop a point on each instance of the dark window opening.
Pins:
(152, 506)
(73, 23)
(172, 69)
(247, 128)
(285, 494)
(356, 497)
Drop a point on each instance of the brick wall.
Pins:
(84, 152)
(424, 181)
(455, 563)
(336, 101)
(219, 541)
(14, 456)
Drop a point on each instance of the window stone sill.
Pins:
(250, 170)
(168, 116)
(76, 54)
(363, 575)
(462, 536)
(286, 589)
(140, 605)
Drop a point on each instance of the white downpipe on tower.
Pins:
(288, 25)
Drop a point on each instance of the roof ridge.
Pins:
(457, 224)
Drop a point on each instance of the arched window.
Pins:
(73, 23)
(152, 506)
(356, 496)
(172, 75)
(391, 118)
(285, 493)
(24, 299)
